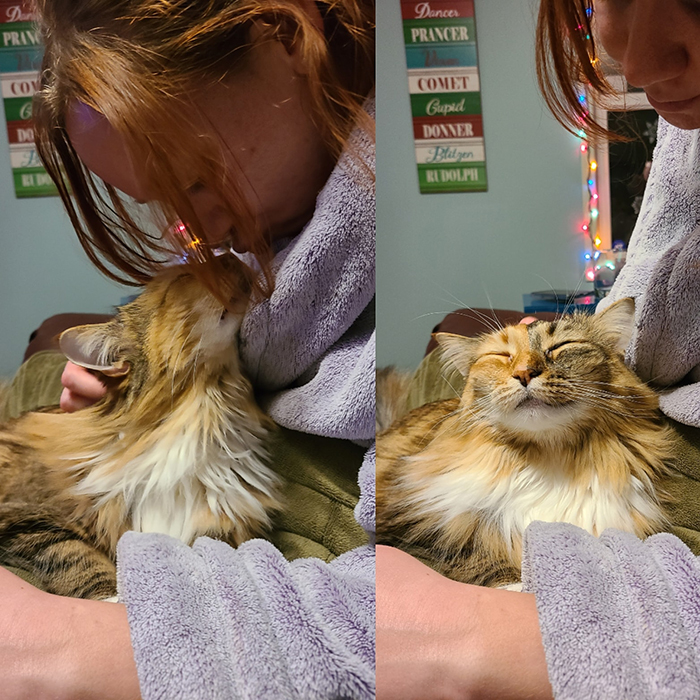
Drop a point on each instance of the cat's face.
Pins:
(176, 328)
(540, 377)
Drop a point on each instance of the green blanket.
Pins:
(432, 382)
(36, 384)
(320, 474)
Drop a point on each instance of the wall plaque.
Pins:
(20, 62)
(443, 81)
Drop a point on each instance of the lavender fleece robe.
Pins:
(210, 622)
(620, 618)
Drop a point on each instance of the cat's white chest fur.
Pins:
(192, 473)
(193, 484)
(542, 492)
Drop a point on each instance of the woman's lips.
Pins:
(674, 106)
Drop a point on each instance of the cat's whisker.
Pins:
(441, 314)
(570, 301)
(590, 382)
(428, 436)
(576, 390)
(197, 352)
(607, 406)
(607, 394)
(492, 323)
(446, 380)
(489, 320)
(455, 298)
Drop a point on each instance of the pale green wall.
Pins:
(43, 270)
(443, 251)
(435, 252)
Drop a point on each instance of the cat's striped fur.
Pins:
(551, 426)
(177, 445)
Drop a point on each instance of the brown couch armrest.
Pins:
(46, 336)
(472, 322)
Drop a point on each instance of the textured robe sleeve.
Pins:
(212, 622)
(620, 618)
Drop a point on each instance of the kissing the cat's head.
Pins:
(174, 332)
(536, 380)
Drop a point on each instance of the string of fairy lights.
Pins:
(590, 224)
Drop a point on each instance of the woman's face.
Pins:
(270, 143)
(657, 44)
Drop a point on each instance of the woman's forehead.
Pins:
(103, 150)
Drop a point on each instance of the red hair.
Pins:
(566, 59)
(135, 61)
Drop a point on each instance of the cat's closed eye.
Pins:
(504, 354)
(552, 351)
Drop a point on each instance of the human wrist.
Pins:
(467, 649)
(505, 653)
(93, 658)
(440, 639)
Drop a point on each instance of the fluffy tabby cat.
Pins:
(175, 447)
(551, 426)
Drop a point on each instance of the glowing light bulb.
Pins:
(587, 256)
(597, 242)
(594, 213)
(584, 227)
(596, 255)
(584, 147)
(591, 183)
(590, 274)
(595, 195)
(581, 134)
(594, 165)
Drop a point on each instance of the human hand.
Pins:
(80, 388)
(62, 648)
(438, 638)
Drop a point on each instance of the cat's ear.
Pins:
(94, 347)
(618, 320)
(457, 350)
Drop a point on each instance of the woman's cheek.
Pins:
(609, 30)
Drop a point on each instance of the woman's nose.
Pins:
(654, 52)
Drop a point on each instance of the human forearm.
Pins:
(53, 647)
(440, 639)
(508, 651)
(98, 652)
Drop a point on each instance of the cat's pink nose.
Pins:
(525, 374)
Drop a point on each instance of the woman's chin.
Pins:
(681, 120)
